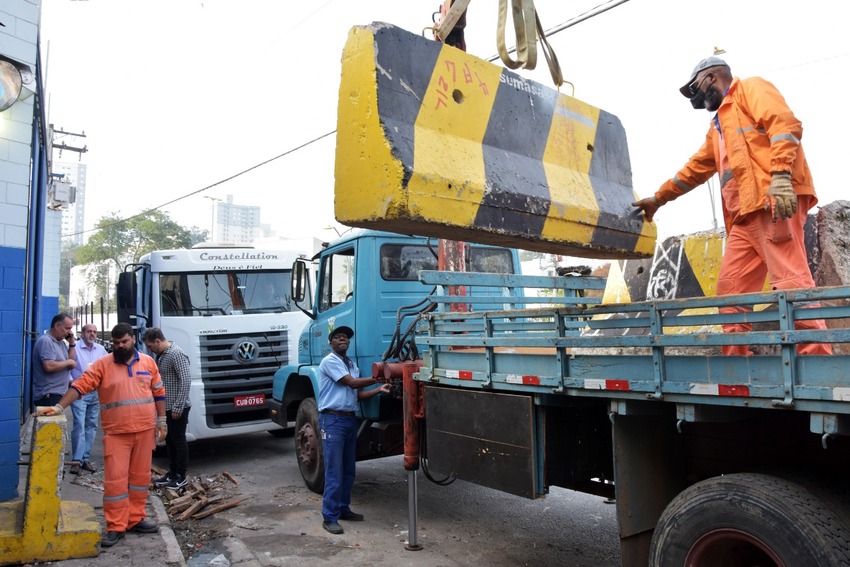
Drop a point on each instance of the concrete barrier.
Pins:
(41, 527)
(434, 141)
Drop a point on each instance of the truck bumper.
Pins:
(276, 412)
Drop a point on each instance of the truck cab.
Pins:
(368, 281)
(229, 309)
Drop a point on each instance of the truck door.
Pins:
(335, 298)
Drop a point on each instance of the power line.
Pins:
(217, 183)
(595, 11)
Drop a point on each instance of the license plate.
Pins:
(249, 401)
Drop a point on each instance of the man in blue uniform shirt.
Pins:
(340, 387)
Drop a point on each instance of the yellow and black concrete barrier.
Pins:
(434, 141)
(41, 527)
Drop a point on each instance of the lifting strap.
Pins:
(527, 28)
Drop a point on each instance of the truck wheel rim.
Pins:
(307, 445)
(731, 548)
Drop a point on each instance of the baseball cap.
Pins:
(347, 331)
(704, 64)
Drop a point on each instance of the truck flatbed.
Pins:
(565, 343)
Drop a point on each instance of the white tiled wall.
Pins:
(18, 40)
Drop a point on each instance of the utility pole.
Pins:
(212, 223)
(62, 146)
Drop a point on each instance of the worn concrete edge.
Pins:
(240, 554)
(174, 555)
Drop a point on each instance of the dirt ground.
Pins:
(458, 525)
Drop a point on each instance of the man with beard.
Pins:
(753, 143)
(132, 413)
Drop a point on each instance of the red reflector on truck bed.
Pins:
(603, 384)
(731, 390)
(525, 380)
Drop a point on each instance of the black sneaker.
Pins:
(177, 481)
(163, 480)
(333, 528)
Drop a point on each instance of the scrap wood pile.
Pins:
(202, 497)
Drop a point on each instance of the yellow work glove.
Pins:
(161, 429)
(51, 410)
(782, 194)
(649, 206)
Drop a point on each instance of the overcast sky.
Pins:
(177, 95)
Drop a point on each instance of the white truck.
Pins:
(230, 310)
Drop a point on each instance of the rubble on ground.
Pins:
(203, 496)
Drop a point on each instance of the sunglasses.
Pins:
(693, 88)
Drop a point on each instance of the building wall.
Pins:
(73, 214)
(18, 40)
(238, 224)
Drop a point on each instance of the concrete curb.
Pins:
(174, 555)
(240, 554)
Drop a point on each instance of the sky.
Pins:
(178, 95)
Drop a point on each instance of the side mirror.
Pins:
(300, 289)
(300, 281)
(126, 292)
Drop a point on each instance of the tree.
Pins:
(118, 242)
(125, 241)
(67, 260)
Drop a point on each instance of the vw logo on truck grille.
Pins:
(245, 351)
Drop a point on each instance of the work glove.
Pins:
(782, 196)
(161, 429)
(649, 206)
(52, 410)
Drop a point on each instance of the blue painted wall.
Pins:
(23, 306)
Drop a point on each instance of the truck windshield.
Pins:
(404, 261)
(225, 293)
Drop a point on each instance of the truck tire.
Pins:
(749, 519)
(308, 445)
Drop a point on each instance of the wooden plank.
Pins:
(192, 509)
(216, 509)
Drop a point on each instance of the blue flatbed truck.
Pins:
(713, 460)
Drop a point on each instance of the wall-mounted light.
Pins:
(16, 82)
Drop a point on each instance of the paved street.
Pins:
(459, 525)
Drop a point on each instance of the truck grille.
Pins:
(241, 364)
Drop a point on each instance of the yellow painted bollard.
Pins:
(42, 527)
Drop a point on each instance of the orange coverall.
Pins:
(127, 392)
(754, 135)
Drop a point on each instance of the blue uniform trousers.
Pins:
(339, 446)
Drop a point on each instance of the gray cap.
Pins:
(704, 64)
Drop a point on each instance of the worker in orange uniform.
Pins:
(132, 413)
(753, 142)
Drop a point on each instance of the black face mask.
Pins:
(698, 100)
(713, 98)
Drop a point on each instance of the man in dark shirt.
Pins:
(173, 366)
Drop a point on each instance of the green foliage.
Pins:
(125, 241)
(67, 260)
